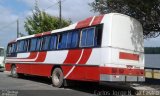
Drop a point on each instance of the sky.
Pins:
(76, 10)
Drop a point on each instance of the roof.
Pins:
(81, 24)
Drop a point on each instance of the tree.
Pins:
(146, 11)
(40, 22)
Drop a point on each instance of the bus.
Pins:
(105, 48)
(2, 58)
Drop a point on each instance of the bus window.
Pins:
(73, 38)
(53, 42)
(63, 41)
(33, 43)
(22, 46)
(45, 42)
(87, 37)
(98, 36)
(11, 49)
(38, 47)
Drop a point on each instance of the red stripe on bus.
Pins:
(72, 56)
(128, 56)
(47, 33)
(121, 71)
(13, 41)
(84, 23)
(79, 73)
(32, 55)
(38, 35)
(97, 20)
(85, 56)
(41, 57)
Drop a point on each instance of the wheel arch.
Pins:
(55, 66)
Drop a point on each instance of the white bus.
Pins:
(106, 48)
(2, 59)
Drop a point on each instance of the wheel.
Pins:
(14, 71)
(57, 77)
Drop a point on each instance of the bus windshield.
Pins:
(1, 52)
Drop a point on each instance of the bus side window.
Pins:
(22, 46)
(63, 41)
(87, 37)
(53, 42)
(73, 38)
(38, 47)
(45, 42)
(98, 36)
(11, 49)
(33, 43)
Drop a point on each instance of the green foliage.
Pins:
(152, 50)
(146, 11)
(40, 22)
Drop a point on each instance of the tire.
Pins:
(57, 77)
(14, 71)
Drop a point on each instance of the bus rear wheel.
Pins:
(57, 77)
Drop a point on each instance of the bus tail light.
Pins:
(121, 71)
(114, 70)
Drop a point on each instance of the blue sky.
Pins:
(11, 10)
(16, 6)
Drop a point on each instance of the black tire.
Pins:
(57, 77)
(14, 71)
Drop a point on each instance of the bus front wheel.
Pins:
(57, 77)
(14, 71)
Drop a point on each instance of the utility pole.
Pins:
(60, 13)
(17, 28)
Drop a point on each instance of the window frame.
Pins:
(25, 46)
(80, 45)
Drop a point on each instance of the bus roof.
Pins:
(81, 24)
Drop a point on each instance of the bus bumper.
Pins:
(122, 78)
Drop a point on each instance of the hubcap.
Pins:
(56, 78)
(14, 71)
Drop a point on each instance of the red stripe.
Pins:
(85, 56)
(8, 66)
(128, 56)
(97, 20)
(90, 73)
(38, 35)
(13, 41)
(121, 71)
(47, 33)
(41, 57)
(32, 55)
(72, 56)
(84, 23)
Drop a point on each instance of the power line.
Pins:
(55, 3)
(51, 5)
